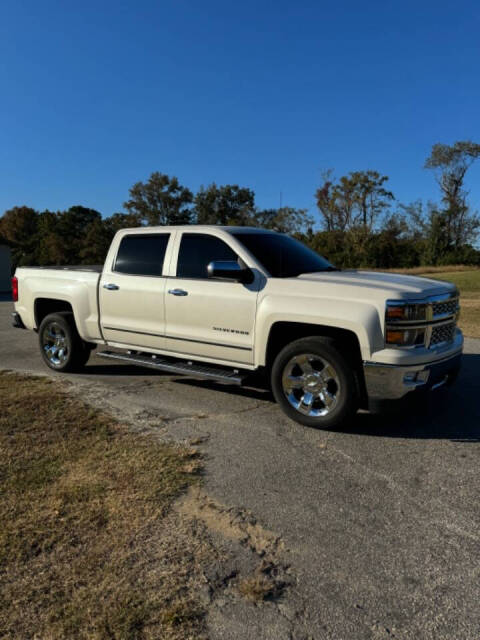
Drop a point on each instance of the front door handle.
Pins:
(111, 287)
(178, 292)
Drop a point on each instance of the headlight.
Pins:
(418, 323)
(405, 337)
(403, 312)
(402, 320)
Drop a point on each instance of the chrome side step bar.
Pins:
(173, 365)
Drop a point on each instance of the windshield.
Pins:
(281, 255)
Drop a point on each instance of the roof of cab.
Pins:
(201, 227)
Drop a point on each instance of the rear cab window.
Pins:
(142, 254)
(196, 252)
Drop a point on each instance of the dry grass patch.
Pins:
(262, 585)
(469, 320)
(418, 271)
(89, 544)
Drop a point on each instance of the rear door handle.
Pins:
(178, 292)
(111, 287)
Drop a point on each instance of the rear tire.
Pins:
(61, 346)
(314, 384)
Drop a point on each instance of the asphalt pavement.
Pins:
(379, 521)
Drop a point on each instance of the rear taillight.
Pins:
(15, 289)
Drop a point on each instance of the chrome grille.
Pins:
(448, 307)
(442, 333)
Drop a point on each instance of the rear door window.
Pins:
(142, 254)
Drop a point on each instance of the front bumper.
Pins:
(386, 382)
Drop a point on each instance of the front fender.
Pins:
(361, 318)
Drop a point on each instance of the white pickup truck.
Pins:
(224, 302)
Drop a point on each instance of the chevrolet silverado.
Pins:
(223, 303)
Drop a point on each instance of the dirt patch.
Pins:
(269, 578)
(233, 523)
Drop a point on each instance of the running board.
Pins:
(184, 367)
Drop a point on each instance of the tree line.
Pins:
(361, 222)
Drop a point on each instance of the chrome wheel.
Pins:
(311, 385)
(55, 345)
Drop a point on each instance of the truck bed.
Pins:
(76, 286)
(94, 268)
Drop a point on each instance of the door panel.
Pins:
(215, 319)
(132, 291)
(135, 312)
(206, 317)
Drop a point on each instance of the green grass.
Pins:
(89, 545)
(467, 281)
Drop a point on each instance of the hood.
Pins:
(393, 285)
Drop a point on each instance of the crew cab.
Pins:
(224, 303)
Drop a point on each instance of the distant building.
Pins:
(5, 268)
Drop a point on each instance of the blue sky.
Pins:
(97, 95)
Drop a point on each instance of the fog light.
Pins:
(422, 376)
(416, 378)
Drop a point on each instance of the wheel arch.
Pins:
(45, 306)
(283, 333)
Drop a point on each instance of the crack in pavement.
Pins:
(208, 416)
(119, 402)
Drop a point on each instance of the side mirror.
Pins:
(229, 270)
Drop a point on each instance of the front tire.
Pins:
(61, 346)
(314, 384)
